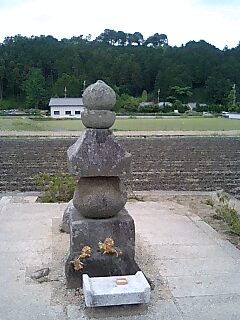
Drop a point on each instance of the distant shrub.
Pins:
(8, 104)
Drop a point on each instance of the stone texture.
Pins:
(219, 307)
(99, 197)
(197, 266)
(88, 232)
(64, 226)
(99, 96)
(98, 161)
(205, 285)
(98, 153)
(98, 119)
(44, 272)
(103, 291)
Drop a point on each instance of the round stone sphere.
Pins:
(99, 197)
(99, 96)
(98, 119)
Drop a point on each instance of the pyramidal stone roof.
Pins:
(66, 102)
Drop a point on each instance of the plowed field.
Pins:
(167, 163)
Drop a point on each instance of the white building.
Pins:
(162, 104)
(230, 115)
(234, 116)
(66, 107)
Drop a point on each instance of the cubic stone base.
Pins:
(89, 232)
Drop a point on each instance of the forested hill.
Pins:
(128, 65)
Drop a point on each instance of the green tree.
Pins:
(127, 103)
(71, 83)
(108, 36)
(135, 38)
(157, 40)
(181, 93)
(231, 100)
(144, 96)
(121, 38)
(177, 105)
(34, 86)
(217, 88)
(123, 60)
(2, 74)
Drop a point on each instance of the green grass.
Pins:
(19, 124)
(175, 124)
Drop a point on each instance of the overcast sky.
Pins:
(215, 21)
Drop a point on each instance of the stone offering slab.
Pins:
(104, 291)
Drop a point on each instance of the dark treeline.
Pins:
(36, 68)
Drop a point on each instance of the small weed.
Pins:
(55, 188)
(228, 214)
(223, 197)
(231, 217)
(209, 202)
(133, 196)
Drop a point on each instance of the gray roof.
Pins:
(66, 102)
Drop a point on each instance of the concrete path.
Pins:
(229, 133)
(194, 272)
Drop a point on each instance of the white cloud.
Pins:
(182, 21)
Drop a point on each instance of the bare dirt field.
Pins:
(163, 163)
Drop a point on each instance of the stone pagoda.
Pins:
(102, 233)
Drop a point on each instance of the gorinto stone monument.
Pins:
(102, 233)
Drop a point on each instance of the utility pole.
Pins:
(84, 85)
(158, 95)
(234, 94)
(65, 92)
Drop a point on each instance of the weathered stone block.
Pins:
(99, 96)
(98, 153)
(99, 197)
(98, 119)
(89, 232)
(64, 226)
(104, 291)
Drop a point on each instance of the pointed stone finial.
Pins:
(99, 96)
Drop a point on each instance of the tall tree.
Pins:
(157, 40)
(108, 36)
(34, 85)
(217, 88)
(2, 74)
(71, 83)
(121, 38)
(181, 93)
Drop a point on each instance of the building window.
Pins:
(56, 113)
(77, 112)
(67, 113)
